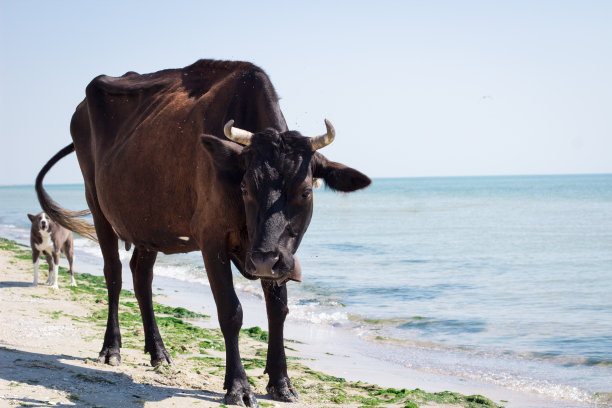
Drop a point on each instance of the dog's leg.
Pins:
(68, 251)
(36, 261)
(56, 256)
(49, 259)
(35, 283)
(55, 280)
(72, 281)
(53, 267)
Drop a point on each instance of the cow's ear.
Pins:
(226, 155)
(337, 176)
(31, 217)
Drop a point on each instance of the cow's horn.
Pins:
(237, 135)
(321, 141)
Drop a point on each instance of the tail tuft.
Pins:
(66, 218)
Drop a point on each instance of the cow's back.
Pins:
(137, 139)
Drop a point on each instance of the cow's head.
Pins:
(276, 173)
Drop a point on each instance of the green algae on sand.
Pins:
(201, 350)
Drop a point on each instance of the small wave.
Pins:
(87, 247)
(399, 293)
(381, 322)
(533, 385)
(243, 285)
(413, 261)
(16, 233)
(501, 369)
(569, 361)
(449, 326)
(313, 314)
(356, 248)
(185, 273)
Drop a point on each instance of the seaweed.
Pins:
(256, 333)
(184, 338)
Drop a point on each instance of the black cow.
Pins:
(159, 174)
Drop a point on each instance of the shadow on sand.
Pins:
(86, 387)
(14, 284)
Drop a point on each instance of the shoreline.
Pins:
(340, 358)
(49, 341)
(341, 352)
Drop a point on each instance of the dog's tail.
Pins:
(66, 218)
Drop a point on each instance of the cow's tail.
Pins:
(66, 218)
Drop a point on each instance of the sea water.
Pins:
(506, 280)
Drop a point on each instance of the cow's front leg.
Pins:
(229, 311)
(141, 265)
(279, 387)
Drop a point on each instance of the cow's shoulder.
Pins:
(198, 78)
(215, 69)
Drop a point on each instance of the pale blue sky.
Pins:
(414, 88)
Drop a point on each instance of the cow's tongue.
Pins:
(294, 275)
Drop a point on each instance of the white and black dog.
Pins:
(49, 238)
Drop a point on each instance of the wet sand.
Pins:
(48, 346)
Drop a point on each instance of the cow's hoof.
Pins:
(282, 390)
(158, 353)
(241, 395)
(109, 357)
(162, 358)
(114, 360)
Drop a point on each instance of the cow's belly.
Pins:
(147, 203)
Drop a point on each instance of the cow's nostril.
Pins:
(264, 263)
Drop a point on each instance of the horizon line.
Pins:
(393, 177)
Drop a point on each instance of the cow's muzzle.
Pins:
(271, 265)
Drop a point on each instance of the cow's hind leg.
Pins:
(142, 272)
(229, 311)
(279, 387)
(111, 349)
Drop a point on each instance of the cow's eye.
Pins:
(306, 194)
(243, 188)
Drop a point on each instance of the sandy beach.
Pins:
(440, 173)
(49, 340)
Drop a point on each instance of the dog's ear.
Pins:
(31, 217)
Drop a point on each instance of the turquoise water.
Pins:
(510, 278)
(517, 263)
